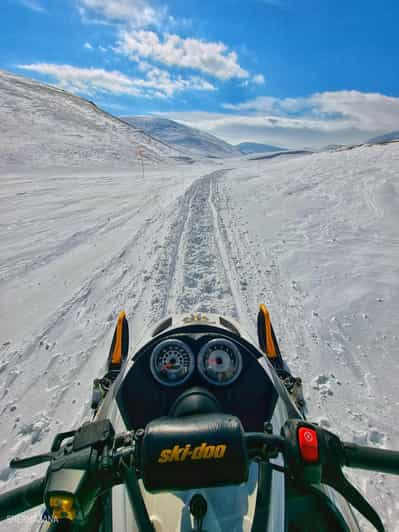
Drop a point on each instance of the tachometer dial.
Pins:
(220, 362)
(172, 362)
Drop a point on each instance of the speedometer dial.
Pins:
(220, 362)
(172, 362)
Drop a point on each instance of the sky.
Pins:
(290, 73)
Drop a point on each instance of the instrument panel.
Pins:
(166, 367)
(172, 362)
(219, 362)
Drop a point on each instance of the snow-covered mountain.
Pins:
(192, 141)
(42, 126)
(247, 148)
(387, 137)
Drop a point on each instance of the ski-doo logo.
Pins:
(197, 317)
(202, 452)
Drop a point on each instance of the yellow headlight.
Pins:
(62, 507)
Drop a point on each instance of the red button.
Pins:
(308, 444)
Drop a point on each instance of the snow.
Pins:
(42, 127)
(313, 236)
(320, 244)
(190, 140)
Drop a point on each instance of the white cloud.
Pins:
(35, 5)
(258, 79)
(268, 130)
(163, 47)
(261, 104)
(143, 66)
(214, 120)
(332, 110)
(89, 81)
(341, 117)
(138, 13)
(88, 46)
(136, 41)
(212, 58)
(85, 80)
(366, 111)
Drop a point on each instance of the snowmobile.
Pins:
(199, 429)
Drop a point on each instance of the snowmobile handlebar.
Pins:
(371, 458)
(177, 453)
(309, 444)
(21, 499)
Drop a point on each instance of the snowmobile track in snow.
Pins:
(199, 275)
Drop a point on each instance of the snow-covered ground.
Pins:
(42, 127)
(316, 237)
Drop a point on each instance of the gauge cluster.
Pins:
(167, 367)
(219, 362)
(172, 362)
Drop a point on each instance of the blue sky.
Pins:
(283, 72)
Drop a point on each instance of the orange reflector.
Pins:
(271, 351)
(62, 507)
(308, 444)
(117, 352)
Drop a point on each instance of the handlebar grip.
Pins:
(21, 499)
(371, 458)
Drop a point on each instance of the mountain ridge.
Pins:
(193, 141)
(45, 126)
(386, 137)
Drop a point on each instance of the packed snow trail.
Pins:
(315, 237)
(201, 275)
